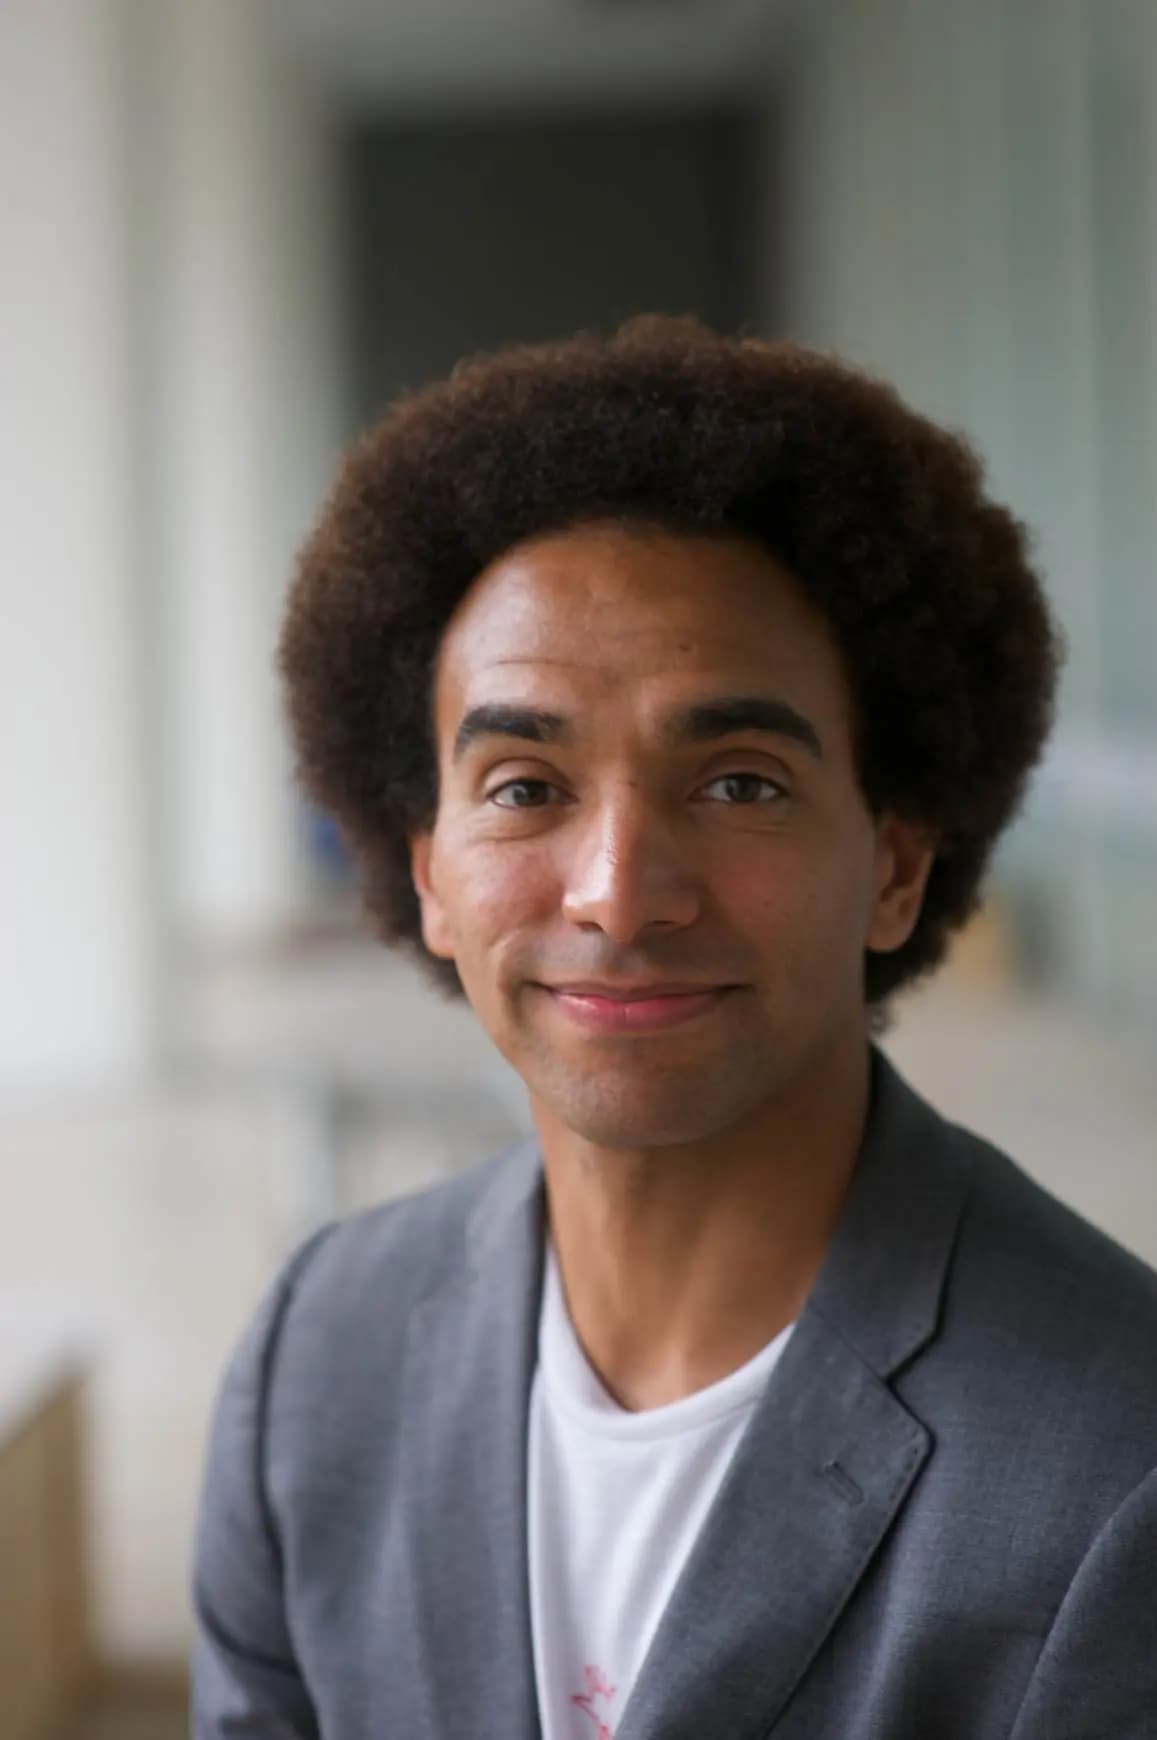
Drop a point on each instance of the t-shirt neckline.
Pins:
(575, 1388)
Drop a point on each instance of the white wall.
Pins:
(247, 357)
(168, 422)
(77, 937)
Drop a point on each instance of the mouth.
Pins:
(635, 1008)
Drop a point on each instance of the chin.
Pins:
(632, 1115)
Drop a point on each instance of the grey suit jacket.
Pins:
(941, 1523)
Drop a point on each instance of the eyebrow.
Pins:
(499, 719)
(697, 724)
(731, 713)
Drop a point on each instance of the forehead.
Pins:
(610, 608)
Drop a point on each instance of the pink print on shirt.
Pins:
(597, 1688)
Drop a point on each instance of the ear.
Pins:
(436, 932)
(905, 854)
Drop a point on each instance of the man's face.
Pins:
(651, 861)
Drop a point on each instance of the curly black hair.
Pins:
(882, 517)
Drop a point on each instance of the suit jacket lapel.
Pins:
(817, 1480)
(830, 1456)
(470, 1359)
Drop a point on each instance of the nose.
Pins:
(627, 873)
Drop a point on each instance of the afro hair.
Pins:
(881, 516)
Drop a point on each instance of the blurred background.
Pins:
(233, 231)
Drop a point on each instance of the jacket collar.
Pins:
(882, 1280)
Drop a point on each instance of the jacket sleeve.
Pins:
(1096, 1678)
(246, 1684)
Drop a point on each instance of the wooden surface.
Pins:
(45, 1642)
(133, 1717)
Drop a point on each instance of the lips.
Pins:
(635, 1009)
(623, 993)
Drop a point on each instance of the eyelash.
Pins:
(546, 785)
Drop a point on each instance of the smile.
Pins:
(643, 1011)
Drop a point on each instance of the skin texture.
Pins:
(694, 1170)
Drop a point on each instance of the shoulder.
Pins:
(1028, 1258)
(1047, 1346)
(377, 1266)
(340, 1305)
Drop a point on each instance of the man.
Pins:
(672, 691)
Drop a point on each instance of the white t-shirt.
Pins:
(616, 1500)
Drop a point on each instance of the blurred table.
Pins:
(45, 1629)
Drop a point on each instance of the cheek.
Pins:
(803, 900)
(498, 890)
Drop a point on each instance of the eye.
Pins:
(522, 794)
(742, 788)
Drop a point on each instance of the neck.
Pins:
(679, 1263)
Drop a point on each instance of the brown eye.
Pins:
(742, 788)
(522, 794)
